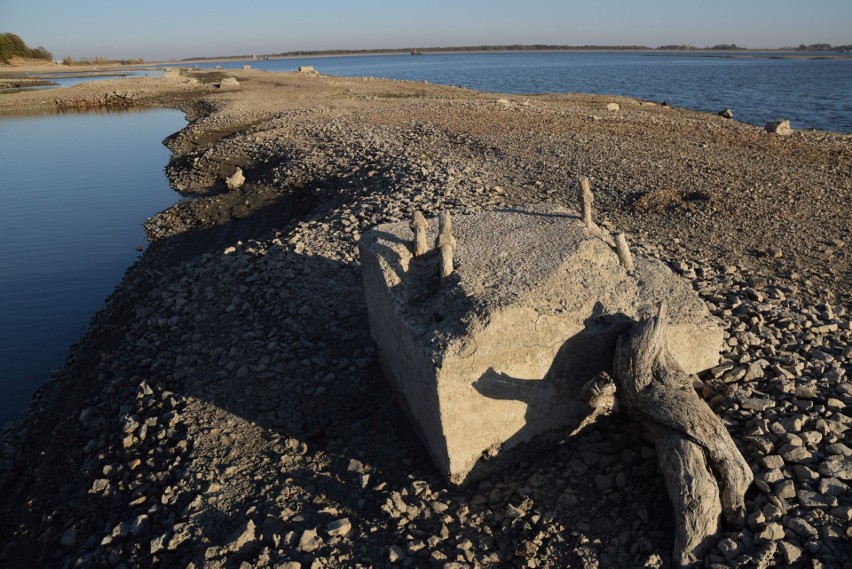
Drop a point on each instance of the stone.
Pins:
(236, 180)
(139, 525)
(229, 82)
(802, 528)
(792, 553)
(395, 553)
(785, 490)
(339, 527)
(810, 499)
(69, 538)
(727, 114)
(498, 354)
(245, 535)
(837, 466)
(310, 541)
(613, 106)
(158, 544)
(772, 531)
(730, 549)
(781, 128)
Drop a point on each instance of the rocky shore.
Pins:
(226, 410)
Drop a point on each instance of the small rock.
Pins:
(785, 490)
(310, 541)
(139, 525)
(395, 553)
(791, 552)
(727, 114)
(69, 537)
(757, 404)
(730, 549)
(772, 531)
(245, 535)
(837, 466)
(613, 106)
(802, 528)
(781, 128)
(339, 527)
(158, 544)
(236, 180)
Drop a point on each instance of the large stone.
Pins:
(236, 180)
(496, 354)
(781, 128)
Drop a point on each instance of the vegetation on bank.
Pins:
(102, 61)
(11, 45)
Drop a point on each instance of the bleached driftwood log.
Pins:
(419, 226)
(585, 197)
(704, 471)
(445, 244)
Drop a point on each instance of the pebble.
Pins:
(223, 392)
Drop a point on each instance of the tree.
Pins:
(11, 45)
(41, 53)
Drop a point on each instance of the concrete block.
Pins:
(495, 355)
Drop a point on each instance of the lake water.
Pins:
(76, 190)
(760, 87)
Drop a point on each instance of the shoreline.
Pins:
(745, 53)
(239, 339)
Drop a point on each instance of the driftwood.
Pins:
(705, 473)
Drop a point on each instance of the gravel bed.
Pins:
(226, 408)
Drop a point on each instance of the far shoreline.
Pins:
(52, 69)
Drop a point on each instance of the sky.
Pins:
(158, 30)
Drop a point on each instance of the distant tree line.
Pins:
(824, 47)
(527, 47)
(102, 61)
(12, 45)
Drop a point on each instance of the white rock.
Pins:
(236, 180)
(781, 128)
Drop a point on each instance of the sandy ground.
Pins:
(226, 407)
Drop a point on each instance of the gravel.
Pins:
(226, 408)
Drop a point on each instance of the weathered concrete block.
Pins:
(497, 353)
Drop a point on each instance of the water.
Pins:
(76, 190)
(62, 80)
(810, 91)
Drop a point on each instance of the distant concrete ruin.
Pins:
(495, 354)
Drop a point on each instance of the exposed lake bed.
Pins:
(226, 405)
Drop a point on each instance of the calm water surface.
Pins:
(811, 93)
(76, 190)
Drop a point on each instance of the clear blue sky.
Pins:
(160, 29)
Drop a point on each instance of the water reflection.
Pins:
(77, 189)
